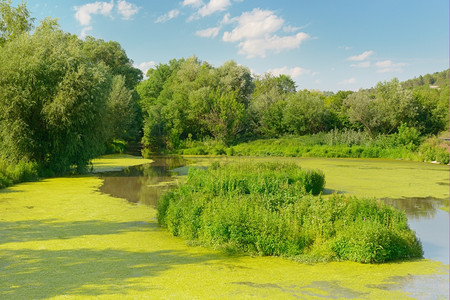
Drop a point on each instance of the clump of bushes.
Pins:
(269, 209)
(19, 172)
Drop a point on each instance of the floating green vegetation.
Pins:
(114, 162)
(62, 239)
(265, 208)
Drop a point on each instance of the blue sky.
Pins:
(328, 45)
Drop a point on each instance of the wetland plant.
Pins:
(270, 209)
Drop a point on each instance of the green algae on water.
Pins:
(62, 239)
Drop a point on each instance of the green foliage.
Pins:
(15, 173)
(406, 144)
(191, 98)
(58, 105)
(14, 21)
(262, 208)
(305, 113)
(434, 149)
(122, 111)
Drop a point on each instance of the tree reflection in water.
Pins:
(144, 184)
(418, 207)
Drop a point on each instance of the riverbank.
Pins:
(61, 238)
(328, 145)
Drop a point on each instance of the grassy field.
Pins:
(62, 239)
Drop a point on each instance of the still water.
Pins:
(144, 184)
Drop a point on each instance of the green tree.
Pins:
(383, 109)
(112, 55)
(122, 111)
(52, 100)
(14, 21)
(305, 113)
(225, 116)
(268, 103)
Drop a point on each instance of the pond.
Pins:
(61, 238)
(144, 184)
(394, 182)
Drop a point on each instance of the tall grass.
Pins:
(346, 144)
(266, 209)
(15, 173)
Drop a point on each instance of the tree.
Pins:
(113, 56)
(305, 113)
(52, 100)
(225, 116)
(362, 108)
(14, 21)
(236, 79)
(268, 103)
(382, 110)
(395, 105)
(122, 111)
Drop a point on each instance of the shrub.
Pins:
(15, 173)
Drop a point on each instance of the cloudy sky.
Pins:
(328, 45)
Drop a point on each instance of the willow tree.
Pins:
(52, 100)
(14, 21)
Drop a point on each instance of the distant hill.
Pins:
(438, 79)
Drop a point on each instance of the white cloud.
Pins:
(363, 64)
(226, 19)
(362, 56)
(167, 17)
(254, 24)
(209, 32)
(293, 72)
(214, 6)
(255, 32)
(388, 66)
(145, 66)
(126, 9)
(259, 47)
(194, 3)
(84, 31)
(348, 81)
(290, 28)
(83, 13)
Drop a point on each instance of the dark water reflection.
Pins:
(144, 184)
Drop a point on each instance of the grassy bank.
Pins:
(347, 144)
(265, 209)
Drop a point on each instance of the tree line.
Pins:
(187, 99)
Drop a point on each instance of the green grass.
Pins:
(346, 144)
(265, 209)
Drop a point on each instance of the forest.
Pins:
(65, 101)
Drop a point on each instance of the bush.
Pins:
(434, 149)
(15, 173)
(264, 209)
